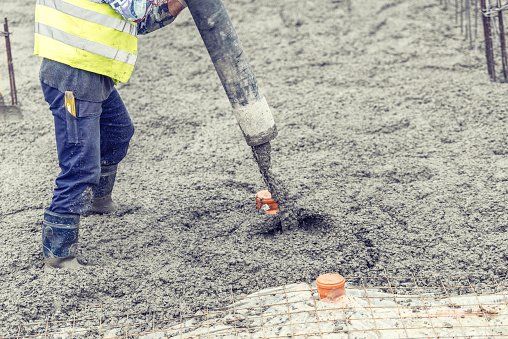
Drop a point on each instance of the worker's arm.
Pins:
(158, 16)
(132, 10)
(149, 15)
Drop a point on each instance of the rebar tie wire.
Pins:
(494, 10)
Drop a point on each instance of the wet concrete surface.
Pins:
(391, 138)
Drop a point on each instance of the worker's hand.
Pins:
(176, 6)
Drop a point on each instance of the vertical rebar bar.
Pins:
(476, 23)
(469, 30)
(456, 12)
(461, 9)
(12, 80)
(489, 51)
(466, 20)
(502, 40)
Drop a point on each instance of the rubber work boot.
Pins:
(102, 203)
(59, 238)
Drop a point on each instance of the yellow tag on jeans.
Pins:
(70, 103)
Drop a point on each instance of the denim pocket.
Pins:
(86, 109)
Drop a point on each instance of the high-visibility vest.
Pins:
(86, 35)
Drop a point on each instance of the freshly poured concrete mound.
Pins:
(296, 311)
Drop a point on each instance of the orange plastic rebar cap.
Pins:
(330, 285)
(331, 279)
(264, 198)
(264, 194)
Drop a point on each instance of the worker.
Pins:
(87, 47)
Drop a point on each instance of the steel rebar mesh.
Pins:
(407, 307)
(467, 16)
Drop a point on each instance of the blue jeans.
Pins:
(99, 136)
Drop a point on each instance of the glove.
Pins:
(160, 14)
(176, 6)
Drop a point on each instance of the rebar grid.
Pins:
(496, 8)
(399, 306)
(8, 51)
(494, 32)
(466, 13)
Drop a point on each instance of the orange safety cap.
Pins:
(331, 286)
(264, 201)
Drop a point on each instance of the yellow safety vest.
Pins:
(86, 35)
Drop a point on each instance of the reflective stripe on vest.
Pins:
(90, 46)
(86, 35)
(88, 15)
